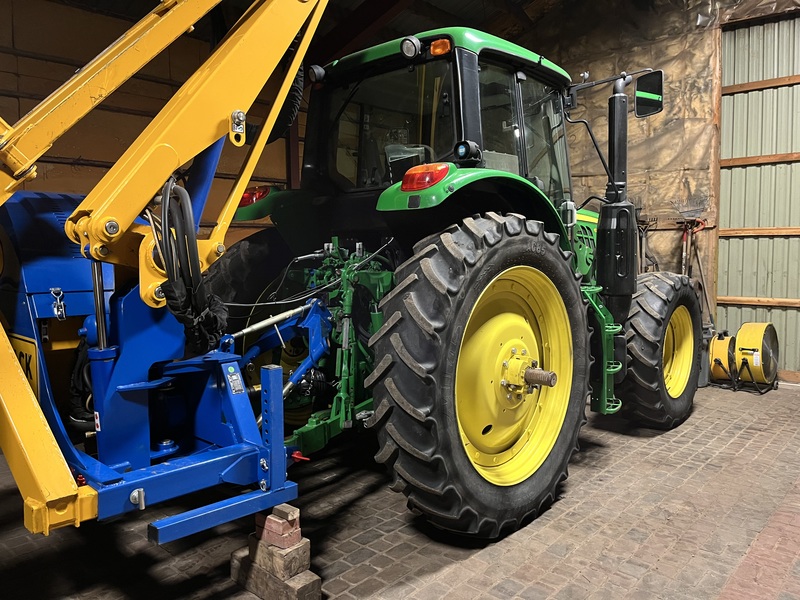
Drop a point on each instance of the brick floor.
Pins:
(710, 510)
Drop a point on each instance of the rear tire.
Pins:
(243, 273)
(664, 333)
(469, 456)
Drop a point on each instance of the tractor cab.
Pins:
(454, 97)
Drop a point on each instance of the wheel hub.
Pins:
(513, 389)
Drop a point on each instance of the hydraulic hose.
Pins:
(166, 233)
(190, 236)
(184, 272)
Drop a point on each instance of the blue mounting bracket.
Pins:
(273, 489)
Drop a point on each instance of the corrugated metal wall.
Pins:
(757, 123)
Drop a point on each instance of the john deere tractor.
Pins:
(435, 279)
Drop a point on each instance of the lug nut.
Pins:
(513, 351)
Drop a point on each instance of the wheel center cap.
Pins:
(512, 388)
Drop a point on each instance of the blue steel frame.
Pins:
(144, 391)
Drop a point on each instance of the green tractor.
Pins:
(472, 308)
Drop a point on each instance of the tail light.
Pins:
(254, 194)
(422, 177)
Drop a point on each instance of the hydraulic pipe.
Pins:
(271, 321)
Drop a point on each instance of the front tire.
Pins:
(663, 333)
(471, 309)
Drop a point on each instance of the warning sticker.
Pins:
(235, 383)
(28, 356)
(756, 359)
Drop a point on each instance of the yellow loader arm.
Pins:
(197, 116)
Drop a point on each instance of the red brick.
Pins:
(280, 526)
(281, 541)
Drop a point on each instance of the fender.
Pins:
(481, 188)
(266, 206)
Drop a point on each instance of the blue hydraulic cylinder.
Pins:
(201, 177)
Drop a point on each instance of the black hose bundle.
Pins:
(203, 315)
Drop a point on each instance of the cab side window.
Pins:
(545, 139)
(499, 119)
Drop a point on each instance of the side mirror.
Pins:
(649, 94)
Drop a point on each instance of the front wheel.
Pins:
(664, 333)
(475, 449)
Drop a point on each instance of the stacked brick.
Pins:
(275, 563)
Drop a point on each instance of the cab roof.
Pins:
(461, 37)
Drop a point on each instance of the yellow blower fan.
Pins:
(722, 355)
(748, 358)
(757, 353)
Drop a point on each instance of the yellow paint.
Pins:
(678, 351)
(51, 497)
(518, 318)
(28, 357)
(587, 218)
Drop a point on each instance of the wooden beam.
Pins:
(440, 16)
(789, 376)
(764, 84)
(730, 232)
(367, 19)
(765, 159)
(762, 302)
(518, 12)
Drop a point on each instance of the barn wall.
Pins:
(43, 43)
(757, 124)
(673, 155)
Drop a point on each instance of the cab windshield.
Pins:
(383, 125)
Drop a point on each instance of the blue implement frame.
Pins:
(165, 425)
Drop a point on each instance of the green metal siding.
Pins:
(753, 124)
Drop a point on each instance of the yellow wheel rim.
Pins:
(678, 352)
(506, 428)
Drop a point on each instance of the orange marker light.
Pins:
(440, 47)
(422, 177)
